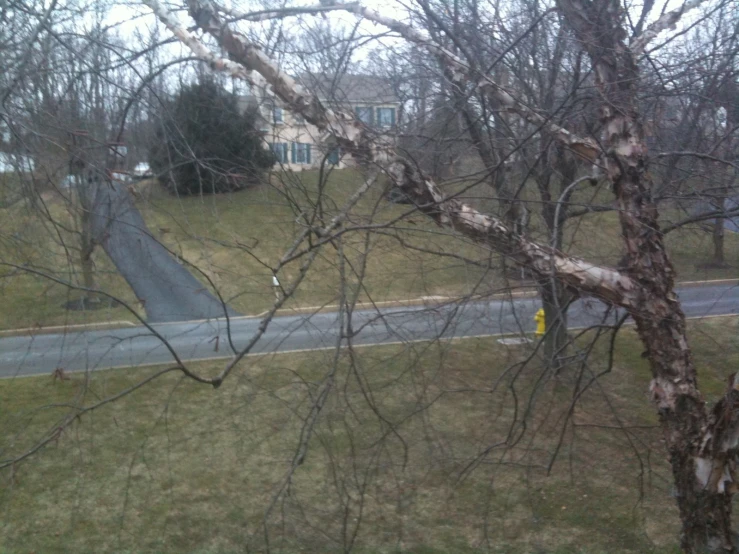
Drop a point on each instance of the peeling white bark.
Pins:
(715, 474)
(197, 47)
(602, 282)
(605, 283)
(703, 470)
(699, 444)
(666, 21)
(462, 73)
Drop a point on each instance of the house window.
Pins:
(277, 116)
(385, 117)
(301, 153)
(279, 149)
(365, 114)
(334, 156)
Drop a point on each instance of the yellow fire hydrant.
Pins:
(541, 324)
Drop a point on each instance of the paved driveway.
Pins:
(167, 289)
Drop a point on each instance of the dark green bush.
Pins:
(205, 144)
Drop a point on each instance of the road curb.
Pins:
(422, 301)
(67, 328)
(715, 282)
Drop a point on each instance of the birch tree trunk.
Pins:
(705, 507)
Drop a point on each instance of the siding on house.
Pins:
(297, 144)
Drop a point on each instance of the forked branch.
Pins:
(666, 21)
(461, 74)
(602, 282)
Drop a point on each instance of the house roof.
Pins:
(350, 89)
(341, 90)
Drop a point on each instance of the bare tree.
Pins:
(515, 92)
(700, 444)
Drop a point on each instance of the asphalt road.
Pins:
(134, 346)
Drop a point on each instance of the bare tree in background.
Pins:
(536, 61)
(688, 102)
(70, 111)
(61, 107)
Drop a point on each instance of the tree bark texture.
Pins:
(719, 259)
(555, 301)
(705, 510)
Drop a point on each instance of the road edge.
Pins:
(421, 301)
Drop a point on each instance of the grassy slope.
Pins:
(255, 228)
(236, 239)
(179, 467)
(28, 237)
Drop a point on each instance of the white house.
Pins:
(298, 145)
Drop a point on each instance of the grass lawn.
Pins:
(28, 239)
(180, 467)
(235, 239)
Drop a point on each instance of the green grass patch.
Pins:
(236, 239)
(41, 236)
(402, 456)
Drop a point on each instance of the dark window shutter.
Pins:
(307, 153)
(392, 117)
(294, 152)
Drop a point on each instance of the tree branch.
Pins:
(602, 282)
(197, 47)
(701, 217)
(266, 15)
(589, 210)
(697, 155)
(666, 21)
(461, 74)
